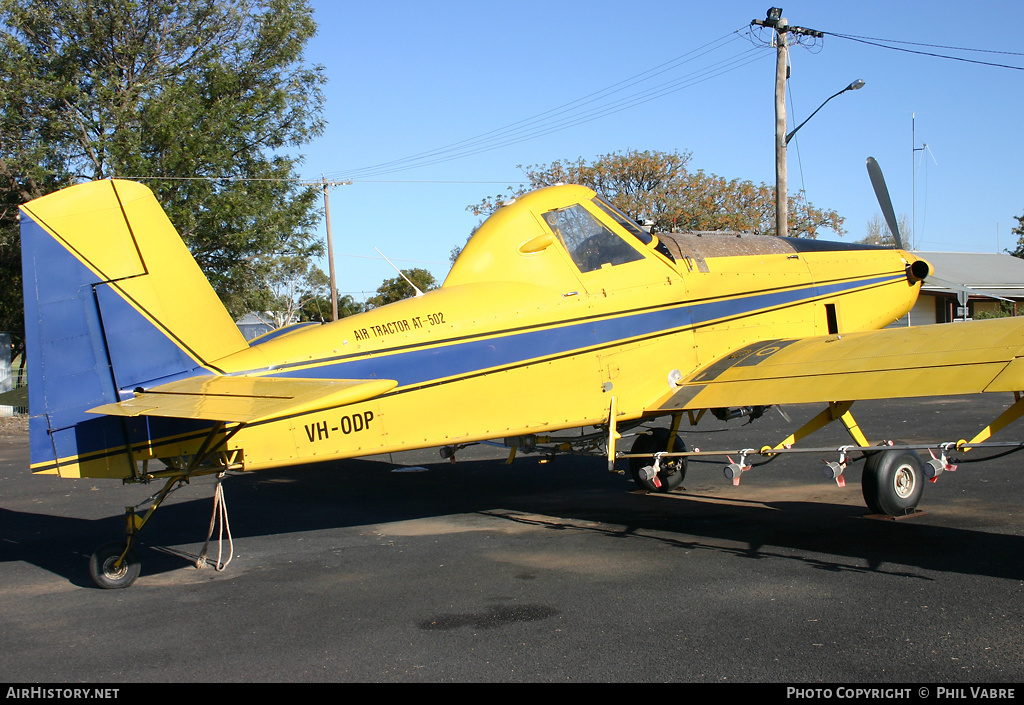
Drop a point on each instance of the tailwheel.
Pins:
(893, 481)
(671, 471)
(112, 566)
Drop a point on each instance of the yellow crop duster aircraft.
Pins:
(560, 313)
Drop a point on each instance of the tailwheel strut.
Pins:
(116, 565)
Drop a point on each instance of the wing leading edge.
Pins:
(245, 399)
(934, 360)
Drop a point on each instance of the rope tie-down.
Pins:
(218, 519)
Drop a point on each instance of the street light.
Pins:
(856, 85)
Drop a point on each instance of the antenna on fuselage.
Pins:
(401, 274)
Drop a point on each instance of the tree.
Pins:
(201, 99)
(348, 306)
(878, 232)
(1019, 232)
(396, 288)
(318, 308)
(658, 186)
(296, 287)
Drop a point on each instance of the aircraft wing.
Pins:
(932, 360)
(245, 399)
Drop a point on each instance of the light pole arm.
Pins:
(852, 87)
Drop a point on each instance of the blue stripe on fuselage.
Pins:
(418, 366)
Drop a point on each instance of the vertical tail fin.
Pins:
(113, 300)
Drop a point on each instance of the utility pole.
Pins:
(330, 254)
(782, 28)
(781, 165)
(330, 243)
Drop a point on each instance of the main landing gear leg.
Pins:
(659, 474)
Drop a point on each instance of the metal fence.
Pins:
(12, 374)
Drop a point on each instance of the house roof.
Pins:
(1000, 274)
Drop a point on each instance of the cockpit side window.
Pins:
(590, 243)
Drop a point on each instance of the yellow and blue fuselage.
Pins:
(556, 306)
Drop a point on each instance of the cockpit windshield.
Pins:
(624, 220)
(590, 243)
(630, 225)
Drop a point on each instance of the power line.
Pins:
(575, 112)
(878, 43)
(934, 46)
(593, 106)
(525, 122)
(632, 101)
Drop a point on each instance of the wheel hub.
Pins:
(111, 570)
(904, 480)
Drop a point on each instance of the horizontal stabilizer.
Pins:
(245, 399)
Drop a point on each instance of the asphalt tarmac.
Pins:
(412, 569)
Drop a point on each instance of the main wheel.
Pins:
(893, 481)
(106, 573)
(671, 472)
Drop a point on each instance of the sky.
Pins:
(431, 107)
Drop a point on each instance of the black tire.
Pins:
(893, 481)
(103, 572)
(672, 471)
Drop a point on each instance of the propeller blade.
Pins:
(963, 287)
(882, 194)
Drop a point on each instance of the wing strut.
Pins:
(1014, 412)
(836, 410)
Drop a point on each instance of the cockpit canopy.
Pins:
(530, 240)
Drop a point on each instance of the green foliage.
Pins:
(318, 307)
(348, 306)
(658, 186)
(139, 89)
(12, 316)
(1019, 232)
(1003, 309)
(396, 288)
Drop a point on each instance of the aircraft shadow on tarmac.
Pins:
(822, 535)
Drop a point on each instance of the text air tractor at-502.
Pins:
(560, 313)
